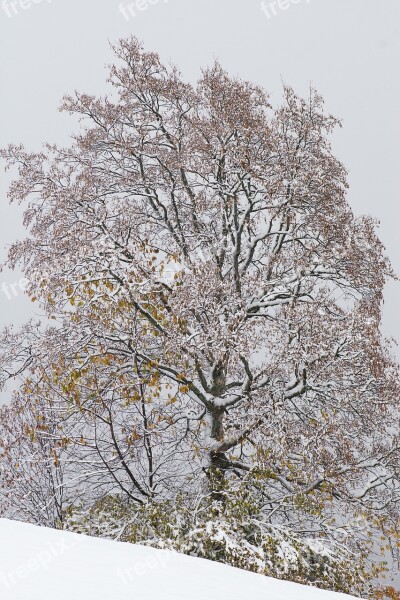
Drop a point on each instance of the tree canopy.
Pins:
(215, 314)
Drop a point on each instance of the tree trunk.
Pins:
(218, 460)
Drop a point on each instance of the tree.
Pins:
(216, 304)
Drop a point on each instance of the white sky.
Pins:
(348, 49)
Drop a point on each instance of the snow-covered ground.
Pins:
(43, 564)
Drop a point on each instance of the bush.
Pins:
(231, 532)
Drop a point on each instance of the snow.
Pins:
(44, 564)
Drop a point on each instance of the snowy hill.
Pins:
(44, 564)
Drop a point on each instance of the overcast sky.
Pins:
(348, 49)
